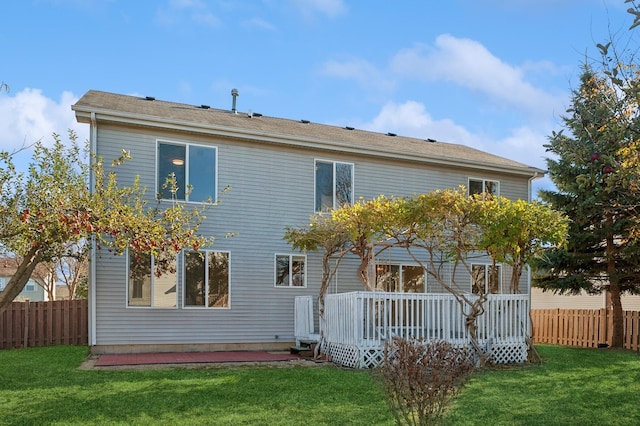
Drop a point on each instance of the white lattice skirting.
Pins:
(354, 357)
(509, 353)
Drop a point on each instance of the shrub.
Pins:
(421, 378)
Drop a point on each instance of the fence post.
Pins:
(25, 336)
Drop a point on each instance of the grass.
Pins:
(572, 387)
(44, 386)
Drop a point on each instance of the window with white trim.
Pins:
(194, 167)
(486, 278)
(30, 286)
(333, 184)
(146, 289)
(290, 270)
(484, 186)
(206, 279)
(400, 278)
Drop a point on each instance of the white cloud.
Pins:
(412, 119)
(259, 23)
(330, 8)
(468, 63)
(29, 116)
(194, 10)
(359, 70)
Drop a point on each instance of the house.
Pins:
(241, 294)
(34, 290)
(548, 300)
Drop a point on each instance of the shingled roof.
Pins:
(147, 111)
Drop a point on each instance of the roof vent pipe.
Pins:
(234, 94)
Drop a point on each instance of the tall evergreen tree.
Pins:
(595, 191)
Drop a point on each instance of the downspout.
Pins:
(93, 141)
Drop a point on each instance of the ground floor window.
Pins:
(290, 270)
(486, 279)
(400, 278)
(147, 289)
(206, 279)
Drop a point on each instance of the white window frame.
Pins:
(484, 185)
(186, 171)
(152, 284)
(291, 257)
(206, 272)
(3, 283)
(487, 266)
(334, 164)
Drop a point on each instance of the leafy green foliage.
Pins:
(597, 182)
(436, 229)
(54, 206)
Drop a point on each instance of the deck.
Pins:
(357, 325)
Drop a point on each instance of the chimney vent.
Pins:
(234, 95)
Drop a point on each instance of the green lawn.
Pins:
(572, 387)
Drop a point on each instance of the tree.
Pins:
(596, 183)
(73, 269)
(50, 208)
(443, 232)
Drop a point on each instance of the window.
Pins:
(194, 167)
(147, 289)
(206, 279)
(30, 286)
(486, 279)
(334, 184)
(400, 278)
(483, 186)
(291, 270)
(3, 282)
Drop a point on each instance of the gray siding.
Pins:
(271, 187)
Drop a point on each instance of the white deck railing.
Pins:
(357, 325)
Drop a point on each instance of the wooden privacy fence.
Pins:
(583, 327)
(29, 324)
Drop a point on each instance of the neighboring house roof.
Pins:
(148, 112)
(9, 266)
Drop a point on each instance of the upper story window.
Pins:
(484, 186)
(147, 289)
(291, 270)
(194, 167)
(30, 286)
(334, 184)
(206, 279)
(486, 279)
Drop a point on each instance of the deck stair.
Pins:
(304, 347)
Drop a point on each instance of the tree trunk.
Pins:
(617, 336)
(20, 278)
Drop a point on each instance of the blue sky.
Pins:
(492, 74)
